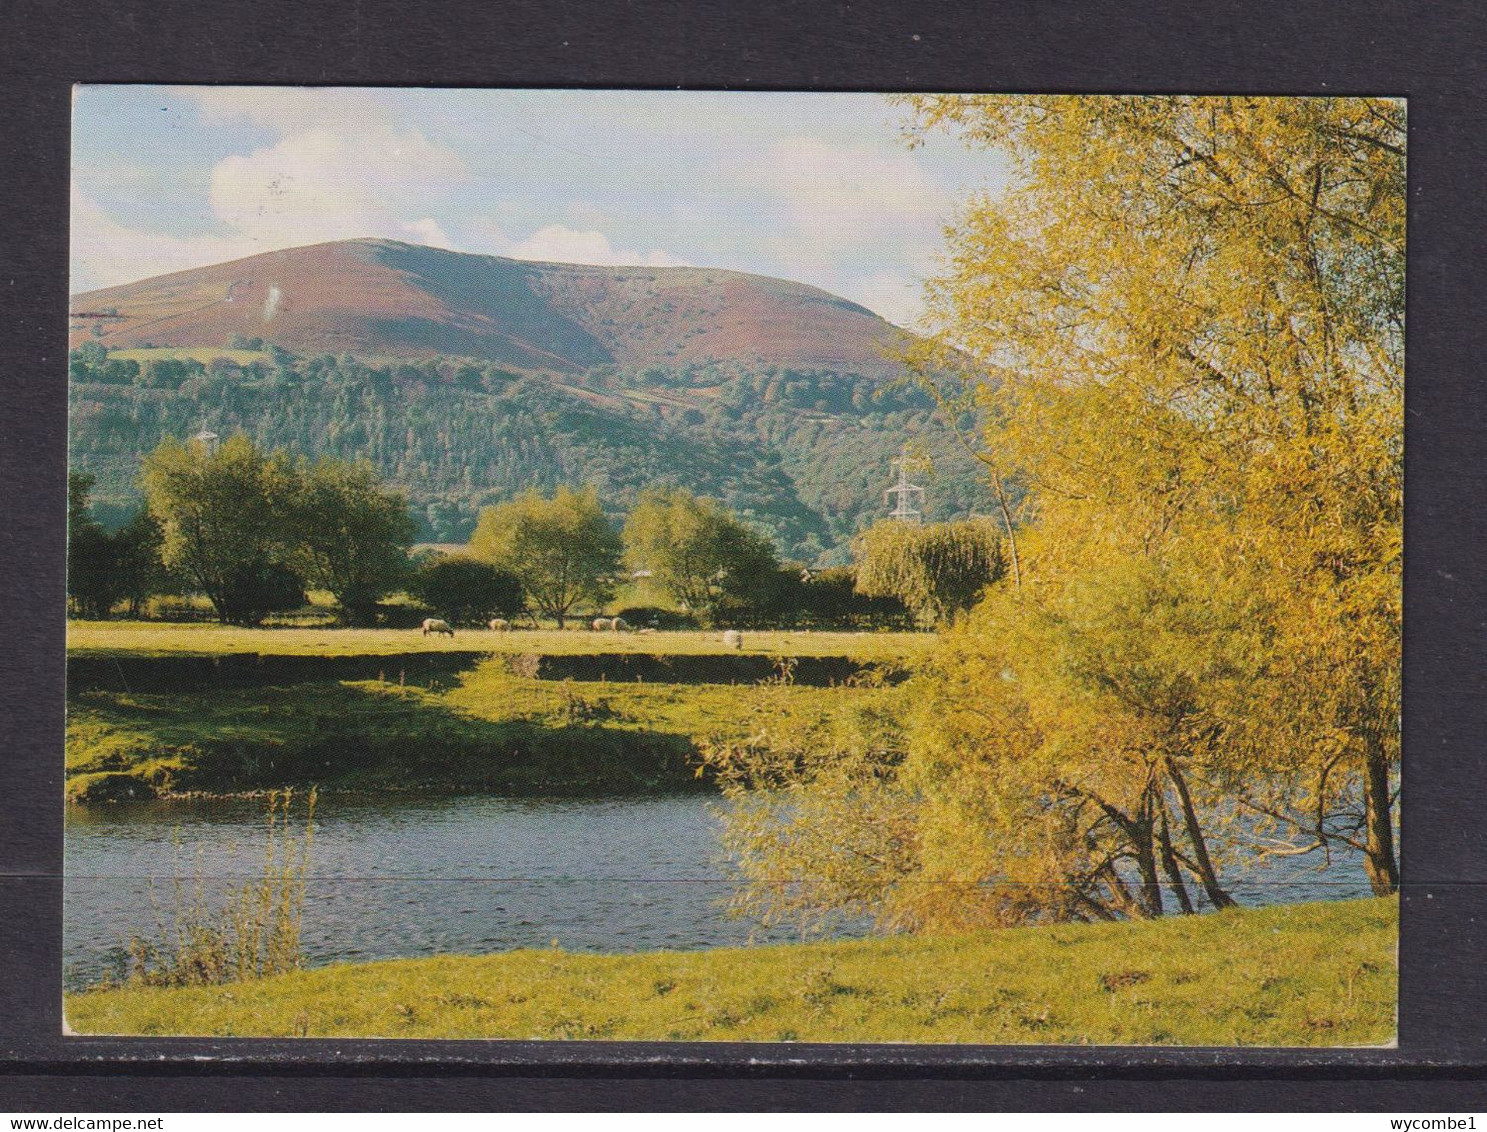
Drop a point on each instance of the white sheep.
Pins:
(435, 625)
(732, 639)
(500, 625)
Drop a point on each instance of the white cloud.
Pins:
(343, 168)
(106, 253)
(560, 244)
(427, 231)
(841, 210)
(833, 186)
(838, 200)
(331, 184)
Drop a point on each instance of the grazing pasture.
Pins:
(153, 638)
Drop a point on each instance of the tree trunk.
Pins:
(1378, 859)
(1169, 865)
(1120, 895)
(1146, 861)
(1206, 874)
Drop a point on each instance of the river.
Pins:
(400, 876)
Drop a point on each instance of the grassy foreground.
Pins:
(156, 638)
(1297, 975)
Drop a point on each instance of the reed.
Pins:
(240, 932)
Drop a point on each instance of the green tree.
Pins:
(104, 569)
(562, 548)
(351, 536)
(938, 571)
(92, 578)
(466, 590)
(228, 524)
(137, 557)
(699, 554)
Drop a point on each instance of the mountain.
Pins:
(383, 299)
(466, 379)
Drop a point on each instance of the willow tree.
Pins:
(938, 571)
(1184, 317)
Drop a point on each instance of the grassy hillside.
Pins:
(1298, 975)
(385, 297)
(465, 379)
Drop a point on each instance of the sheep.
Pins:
(435, 625)
(620, 625)
(732, 639)
(602, 623)
(500, 625)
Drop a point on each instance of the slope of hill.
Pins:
(379, 298)
(465, 379)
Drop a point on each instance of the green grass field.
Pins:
(154, 638)
(203, 354)
(489, 731)
(1298, 975)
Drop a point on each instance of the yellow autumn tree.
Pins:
(1184, 319)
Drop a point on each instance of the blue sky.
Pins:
(817, 188)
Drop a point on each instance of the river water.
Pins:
(400, 876)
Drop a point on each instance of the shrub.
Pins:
(654, 617)
(253, 932)
(466, 590)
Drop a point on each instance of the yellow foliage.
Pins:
(1184, 321)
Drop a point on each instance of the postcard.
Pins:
(753, 567)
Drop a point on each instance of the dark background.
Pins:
(1431, 53)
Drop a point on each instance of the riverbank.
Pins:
(1290, 975)
(486, 729)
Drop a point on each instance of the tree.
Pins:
(103, 568)
(1182, 327)
(938, 571)
(137, 557)
(700, 555)
(352, 536)
(563, 549)
(468, 591)
(1069, 746)
(819, 823)
(92, 581)
(1185, 323)
(228, 524)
